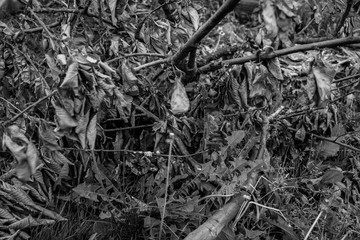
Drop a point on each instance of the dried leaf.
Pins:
(48, 137)
(29, 221)
(63, 118)
(323, 76)
(275, 68)
(328, 149)
(71, 79)
(269, 18)
(87, 191)
(300, 134)
(194, 17)
(332, 176)
(91, 132)
(179, 100)
(80, 129)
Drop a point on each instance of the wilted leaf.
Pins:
(254, 234)
(29, 221)
(64, 119)
(59, 157)
(332, 176)
(235, 138)
(91, 132)
(128, 75)
(300, 133)
(81, 128)
(18, 151)
(112, 6)
(269, 17)
(48, 137)
(18, 194)
(179, 100)
(107, 85)
(328, 149)
(24, 152)
(71, 79)
(194, 17)
(87, 191)
(32, 160)
(275, 68)
(323, 76)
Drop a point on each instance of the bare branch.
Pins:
(278, 53)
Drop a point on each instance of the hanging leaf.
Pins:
(269, 17)
(323, 76)
(179, 100)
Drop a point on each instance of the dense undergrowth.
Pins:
(121, 120)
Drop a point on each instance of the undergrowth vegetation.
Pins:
(180, 120)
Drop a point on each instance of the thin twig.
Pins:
(56, 10)
(150, 64)
(346, 78)
(29, 107)
(137, 152)
(42, 23)
(38, 29)
(137, 55)
(345, 86)
(313, 225)
(166, 184)
(329, 140)
(128, 128)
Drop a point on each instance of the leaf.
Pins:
(91, 132)
(63, 118)
(18, 194)
(5, 214)
(323, 76)
(194, 17)
(158, 45)
(24, 152)
(71, 79)
(48, 137)
(328, 149)
(64, 172)
(32, 160)
(87, 191)
(80, 129)
(269, 17)
(17, 150)
(106, 67)
(300, 134)
(280, 223)
(123, 104)
(29, 221)
(59, 157)
(235, 138)
(332, 176)
(275, 68)
(68, 105)
(107, 85)
(179, 100)
(112, 6)
(254, 234)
